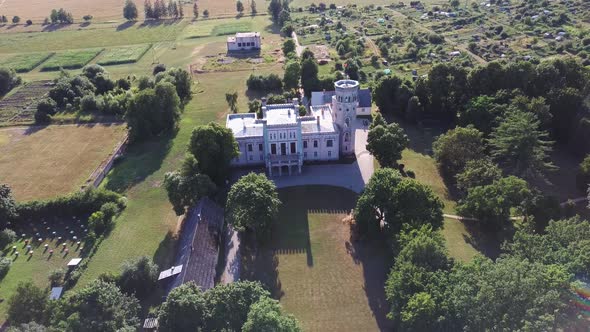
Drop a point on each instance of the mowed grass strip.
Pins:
(231, 28)
(123, 55)
(73, 59)
(23, 63)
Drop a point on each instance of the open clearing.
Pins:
(73, 59)
(122, 55)
(23, 63)
(328, 282)
(44, 162)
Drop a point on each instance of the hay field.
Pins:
(42, 162)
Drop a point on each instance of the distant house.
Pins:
(245, 41)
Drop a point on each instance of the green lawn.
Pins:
(23, 63)
(123, 55)
(71, 59)
(327, 281)
(232, 28)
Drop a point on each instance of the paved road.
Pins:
(231, 271)
(353, 176)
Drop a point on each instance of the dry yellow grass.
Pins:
(42, 163)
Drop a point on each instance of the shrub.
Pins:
(7, 236)
(158, 69)
(8, 80)
(271, 82)
(5, 263)
(138, 276)
(56, 277)
(29, 22)
(90, 104)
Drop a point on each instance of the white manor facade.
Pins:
(244, 41)
(283, 138)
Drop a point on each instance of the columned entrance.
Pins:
(278, 163)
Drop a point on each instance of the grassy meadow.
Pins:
(72, 59)
(123, 55)
(327, 281)
(23, 63)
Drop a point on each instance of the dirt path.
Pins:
(231, 271)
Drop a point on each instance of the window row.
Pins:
(246, 44)
(283, 135)
(329, 143)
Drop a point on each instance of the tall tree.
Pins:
(187, 186)
(519, 145)
(232, 101)
(138, 277)
(183, 310)
(492, 203)
(228, 305)
(148, 9)
(7, 205)
(289, 48)
(456, 147)
(214, 147)
(27, 304)
(478, 172)
(266, 315)
(111, 310)
(386, 143)
(253, 9)
(292, 74)
(130, 10)
(393, 201)
(253, 204)
(309, 75)
(274, 9)
(239, 7)
(391, 95)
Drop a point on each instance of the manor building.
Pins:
(284, 139)
(244, 41)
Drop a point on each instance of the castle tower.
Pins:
(344, 104)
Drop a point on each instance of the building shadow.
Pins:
(164, 255)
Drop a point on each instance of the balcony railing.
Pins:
(284, 158)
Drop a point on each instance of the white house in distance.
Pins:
(244, 41)
(282, 138)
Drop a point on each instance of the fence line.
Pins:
(95, 179)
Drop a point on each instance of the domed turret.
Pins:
(344, 104)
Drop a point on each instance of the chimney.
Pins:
(318, 120)
(263, 100)
(295, 102)
(263, 111)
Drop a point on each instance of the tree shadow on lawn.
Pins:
(126, 25)
(140, 161)
(376, 260)
(157, 23)
(487, 241)
(166, 252)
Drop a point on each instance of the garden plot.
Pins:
(73, 59)
(123, 55)
(23, 63)
(20, 106)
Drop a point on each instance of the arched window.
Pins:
(347, 122)
(346, 137)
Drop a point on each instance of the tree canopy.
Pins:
(130, 10)
(266, 316)
(7, 204)
(138, 277)
(188, 185)
(253, 205)
(183, 310)
(28, 303)
(386, 143)
(393, 200)
(519, 145)
(456, 147)
(214, 147)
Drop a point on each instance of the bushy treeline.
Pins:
(151, 105)
(61, 16)
(8, 80)
(159, 9)
(266, 83)
(554, 90)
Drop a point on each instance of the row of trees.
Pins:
(160, 9)
(553, 90)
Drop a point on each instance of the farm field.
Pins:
(76, 150)
(328, 282)
(72, 59)
(123, 55)
(23, 63)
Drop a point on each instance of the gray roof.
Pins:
(198, 245)
(56, 293)
(365, 98)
